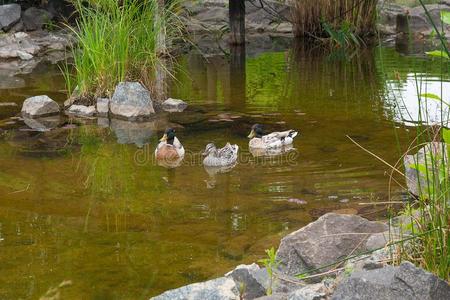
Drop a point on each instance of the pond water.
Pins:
(85, 209)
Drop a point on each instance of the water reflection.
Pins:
(98, 216)
(409, 104)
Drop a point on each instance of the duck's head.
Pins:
(209, 148)
(257, 131)
(168, 136)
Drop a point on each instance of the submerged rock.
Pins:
(403, 282)
(131, 100)
(217, 289)
(81, 110)
(9, 15)
(39, 106)
(331, 237)
(174, 105)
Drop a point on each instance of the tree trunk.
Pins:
(237, 21)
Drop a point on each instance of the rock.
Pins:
(39, 106)
(429, 155)
(24, 55)
(35, 19)
(102, 106)
(18, 46)
(18, 27)
(325, 241)
(128, 132)
(253, 279)
(217, 289)
(131, 100)
(316, 291)
(81, 110)
(276, 296)
(9, 15)
(42, 124)
(403, 282)
(174, 105)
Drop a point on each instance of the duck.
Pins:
(270, 141)
(169, 147)
(226, 156)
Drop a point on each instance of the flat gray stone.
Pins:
(9, 15)
(330, 238)
(39, 106)
(81, 110)
(405, 282)
(131, 100)
(222, 288)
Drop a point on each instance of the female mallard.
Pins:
(169, 147)
(270, 141)
(222, 157)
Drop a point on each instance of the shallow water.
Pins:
(86, 208)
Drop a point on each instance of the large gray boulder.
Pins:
(325, 241)
(428, 159)
(35, 18)
(9, 16)
(131, 100)
(222, 288)
(393, 283)
(39, 106)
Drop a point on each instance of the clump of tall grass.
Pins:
(310, 16)
(118, 41)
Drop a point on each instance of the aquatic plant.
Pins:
(271, 263)
(120, 40)
(421, 233)
(311, 17)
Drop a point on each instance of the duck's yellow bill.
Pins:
(252, 134)
(164, 138)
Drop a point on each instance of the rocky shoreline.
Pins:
(335, 257)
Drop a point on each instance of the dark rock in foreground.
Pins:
(393, 283)
(325, 241)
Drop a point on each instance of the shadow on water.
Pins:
(103, 215)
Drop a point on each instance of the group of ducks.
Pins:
(171, 149)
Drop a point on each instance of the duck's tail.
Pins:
(292, 133)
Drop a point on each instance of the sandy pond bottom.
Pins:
(87, 208)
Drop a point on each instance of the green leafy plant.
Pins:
(271, 263)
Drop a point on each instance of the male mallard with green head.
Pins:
(169, 147)
(270, 141)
